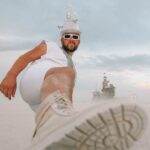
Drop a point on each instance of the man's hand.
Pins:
(8, 86)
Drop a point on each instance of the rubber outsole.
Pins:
(117, 128)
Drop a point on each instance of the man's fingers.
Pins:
(14, 92)
(6, 91)
(9, 93)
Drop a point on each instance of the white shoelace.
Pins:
(63, 102)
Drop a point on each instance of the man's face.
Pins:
(70, 41)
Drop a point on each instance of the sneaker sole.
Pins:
(116, 129)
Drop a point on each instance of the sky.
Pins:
(114, 40)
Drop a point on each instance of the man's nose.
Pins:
(71, 40)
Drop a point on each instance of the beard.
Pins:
(67, 49)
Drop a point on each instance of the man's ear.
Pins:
(79, 42)
(61, 40)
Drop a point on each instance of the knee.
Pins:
(68, 71)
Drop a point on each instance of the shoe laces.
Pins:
(63, 102)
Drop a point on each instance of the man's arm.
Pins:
(8, 85)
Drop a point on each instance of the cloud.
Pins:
(18, 42)
(104, 24)
(113, 23)
(114, 62)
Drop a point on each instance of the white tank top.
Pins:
(57, 56)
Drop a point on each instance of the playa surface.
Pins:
(17, 125)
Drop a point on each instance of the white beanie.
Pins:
(71, 23)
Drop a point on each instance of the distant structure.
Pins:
(107, 91)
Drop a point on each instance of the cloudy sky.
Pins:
(115, 40)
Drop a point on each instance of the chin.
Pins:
(67, 49)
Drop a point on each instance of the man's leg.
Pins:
(60, 78)
(56, 95)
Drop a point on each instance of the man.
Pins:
(52, 70)
(52, 64)
(47, 86)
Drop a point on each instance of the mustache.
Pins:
(71, 42)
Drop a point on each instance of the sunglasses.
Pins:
(71, 36)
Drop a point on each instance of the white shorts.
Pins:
(31, 82)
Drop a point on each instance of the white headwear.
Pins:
(71, 23)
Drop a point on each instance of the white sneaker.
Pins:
(55, 104)
(111, 126)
